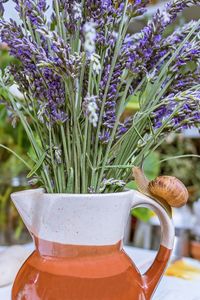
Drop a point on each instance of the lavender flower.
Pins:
(178, 35)
(143, 52)
(123, 127)
(104, 136)
(114, 183)
(185, 81)
(33, 181)
(137, 8)
(32, 11)
(190, 52)
(182, 109)
(58, 154)
(96, 65)
(90, 38)
(104, 14)
(71, 12)
(43, 84)
(90, 109)
(109, 116)
(63, 62)
(77, 11)
(108, 14)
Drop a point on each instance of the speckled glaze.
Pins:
(79, 253)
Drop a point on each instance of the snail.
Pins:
(165, 189)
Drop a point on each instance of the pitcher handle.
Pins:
(153, 275)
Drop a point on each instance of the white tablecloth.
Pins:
(170, 288)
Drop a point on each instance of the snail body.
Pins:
(167, 189)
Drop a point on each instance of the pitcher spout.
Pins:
(28, 204)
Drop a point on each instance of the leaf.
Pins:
(37, 165)
(133, 102)
(152, 165)
(143, 214)
(133, 106)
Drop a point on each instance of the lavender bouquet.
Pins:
(77, 72)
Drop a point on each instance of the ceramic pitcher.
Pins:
(78, 247)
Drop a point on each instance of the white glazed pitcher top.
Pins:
(84, 219)
(75, 219)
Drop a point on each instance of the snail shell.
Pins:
(170, 189)
(164, 188)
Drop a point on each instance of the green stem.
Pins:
(58, 17)
(65, 148)
(52, 159)
(178, 157)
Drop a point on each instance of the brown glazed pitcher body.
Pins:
(79, 253)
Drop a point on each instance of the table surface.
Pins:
(170, 288)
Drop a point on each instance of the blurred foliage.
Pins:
(11, 131)
(5, 58)
(12, 170)
(187, 169)
(15, 140)
(11, 226)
